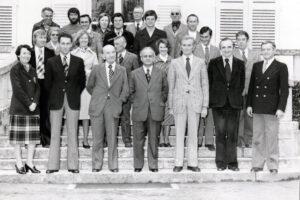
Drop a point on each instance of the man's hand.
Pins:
(249, 111)
(32, 107)
(204, 113)
(279, 114)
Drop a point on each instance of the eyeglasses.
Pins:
(175, 13)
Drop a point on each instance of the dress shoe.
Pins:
(46, 146)
(161, 145)
(194, 169)
(86, 146)
(233, 168)
(199, 145)
(168, 145)
(177, 169)
(153, 170)
(20, 170)
(248, 145)
(96, 170)
(75, 171)
(210, 147)
(273, 171)
(137, 170)
(50, 171)
(114, 170)
(256, 169)
(221, 168)
(33, 169)
(128, 145)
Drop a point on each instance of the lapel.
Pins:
(71, 64)
(59, 63)
(126, 57)
(272, 68)
(193, 68)
(182, 67)
(234, 69)
(103, 74)
(116, 75)
(197, 37)
(221, 68)
(153, 76)
(142, 76)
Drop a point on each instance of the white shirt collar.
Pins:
(190, 56)
(203, 46)
(122, 53)
(53, 45)
(140, 24)
(113, 66)
(164, 58)
(150, 68)
(120, 32)
(230, 61)
(68, 57)
(246, 52)
(269, 62)
(37, 49)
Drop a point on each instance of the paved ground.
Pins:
(206, 191)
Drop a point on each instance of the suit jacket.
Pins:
(132, 29)
(195, 86)
(58, 84)
(110, 36)
(177, 50)
(48, 53)
(98, 87)
(200, 52)
(172, 36)
(253, 57)
(142, 39)
(219, 90)
(130, 62)
(268, 92)
(145, 96)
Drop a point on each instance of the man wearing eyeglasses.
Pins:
(138, 24)
(175, 28)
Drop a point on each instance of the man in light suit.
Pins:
(249, 56)
(226, 84)
(108, 86)
(188, 100)
(206, 51)
(192, 24)
(64, 80)
(266, 103)
(175, 28)
(148, 93)
(138, 24)
(130, 62)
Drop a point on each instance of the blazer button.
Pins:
(265, 95)
(66, 81)
(257, 87)
(29, 81)
(31, 98)
(268, 78)
(63, 90)
(256, 95)
(266, 87)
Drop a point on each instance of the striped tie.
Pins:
(40, 65)
(66, 66)
(110, 73)
(244, 57)
(206, 55)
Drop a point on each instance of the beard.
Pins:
(74, 21)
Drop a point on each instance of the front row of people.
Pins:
(183, 92)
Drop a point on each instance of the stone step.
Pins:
(163, 163)
(162, 176)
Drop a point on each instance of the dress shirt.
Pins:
(68, 58)
(163, 58)
(107, 71)
(191, 59)
(269, 63)
(122, 53)
(192, 34)
(140, 24)
(230, 61)
(204, 46)
(246, 52)
(120, 32)
(150, 69)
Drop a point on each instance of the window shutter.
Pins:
(163, 12)
(6, 28)
(61, 12)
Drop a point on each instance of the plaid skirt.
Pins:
(168, 118)
(24, 129)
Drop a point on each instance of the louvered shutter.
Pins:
(6, 27)
(61, 12)
(163, 11)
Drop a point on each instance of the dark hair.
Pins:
(117, 15)
(268, 42)
(104, 15)
(150, 13)
(47, 8)
(225, 39)
(65, 35)
(204, 29)
(162, 41)
(242, 33)
(73, 10)
(86, 15)
(192, 15)
(20, 47)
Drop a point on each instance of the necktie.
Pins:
(244, 57)
(206, 55)
(40, 65)
(265, 66)
(188, 66)
(227, 70)
(148, 76)
(137, 26)
(110, 73)
(66, 66)
(120, 59)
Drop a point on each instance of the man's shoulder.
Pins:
(131, 55)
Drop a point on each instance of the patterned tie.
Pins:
(110, 73)
(120, 59)
(66, 66)
(206, 55)
(40, 66)
(148, 76)
(265, 66)
(227, 70)
(244, 57)
(188, 66)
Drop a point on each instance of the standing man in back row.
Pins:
(74, 26)
(138, 23)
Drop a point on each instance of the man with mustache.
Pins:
(74, 26)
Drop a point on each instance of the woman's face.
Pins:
(54, 36)
(104, 22)
(84, 40)
(24, 56)
(163, 50)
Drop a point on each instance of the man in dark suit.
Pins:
(108, 85)
(38, 59)
(130, 62)
(148, 93)
(149, 35)
(266, 102)
(118, 30)
(226, 84)
(65, 80)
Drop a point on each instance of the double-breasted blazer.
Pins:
(195, 86)
(100, 92)
(145, 96)
(268, 92)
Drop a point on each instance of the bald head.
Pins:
(147, 56)
(109, 53)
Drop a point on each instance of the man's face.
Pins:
(150, 21)
(175, 15)
(109, 54)
(118, 22)
(205, 38)
(138, 14)
(47, 16)
(226, 48)
(120, 45)
(187, 47)
(267, 51)
(147, 57)
(242, 42)
(85, 23)
(41, 40)
(74, 18)
(192, 23)
(65, 45)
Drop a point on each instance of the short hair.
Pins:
(225, 39)
(242, 33)
(187, 37)
(268, 42)
(79, 34)
(145, 48)
(86, 15)
(73, 10)
(53, 28)
(138, 6)
(104, 15)
(120, 37)
(162, 41)
(64, 35)
(47, 9)
(150, 13)
(192, 15)
(204, 29)
(36, 33)
(117, 15)
(20, 47)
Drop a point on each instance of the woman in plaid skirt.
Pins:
(163, 61)
(24, 111)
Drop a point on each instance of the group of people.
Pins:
(110, 76)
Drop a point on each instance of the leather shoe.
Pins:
(273, 171)
(233, 168)
(168, 145)
(256, 169)
(161, 145)
(137, 170)
(221, 168)
(210, 147)
(50, 171)
(96, 170)
(177, 169)
(75, 171)
(86, 146)
(128, 145)
(153, 170)
(20, 170)
(114, 170)
(199, 145)
(32, 169)
(194, 169)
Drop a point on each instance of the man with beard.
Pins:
(74, 26)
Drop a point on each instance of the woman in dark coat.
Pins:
(24, 110)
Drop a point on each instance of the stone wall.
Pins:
(296, 102)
